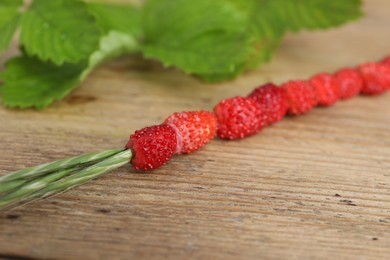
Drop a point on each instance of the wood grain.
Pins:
(310, 187)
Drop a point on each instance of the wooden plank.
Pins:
(310, 187)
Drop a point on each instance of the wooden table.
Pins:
(310, 187)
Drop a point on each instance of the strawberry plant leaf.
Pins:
(9, 21)
(121, 18)
(316, 14)
(59, 31)
(216, 77)
(268, 20)
(201, 55)
(264, 27)
(178, 34)
(63, 40)
(30, 82)
(111, 45)
(199, 37)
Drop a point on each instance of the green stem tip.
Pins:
(39, 170)
(52, 178)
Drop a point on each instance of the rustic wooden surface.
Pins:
(310, 187)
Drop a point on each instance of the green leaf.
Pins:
(315, 14)
(213, 39)
(215, 52)
(121, 18)
(59, 31)
(200, 37)
(9, 21)
(268, 20)
(30, 82)
(265, 28)
(215, 77)
(112, 45)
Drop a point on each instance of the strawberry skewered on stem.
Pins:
(186, 132)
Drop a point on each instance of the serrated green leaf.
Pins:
(30, 82)
(112, 45)
(199, 37)
(215, 77)
(264, 27)
(216, 40)
(9, 3)
(115, 17)
(215, 52)
(268, 20)
(315, 14)
(9, 21)
(59, 31)
(193, 35)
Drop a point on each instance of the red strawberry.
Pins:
(349, 82)
(194, 129)
(301, 97)
(386, 60)
(376, 77)
(325, 89)
(272, 101)
(152, 146)
(238, 117)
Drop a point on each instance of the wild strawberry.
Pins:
(300, 96)
(324, 87)
(272, 101)
(386, 60)
(194, 129)
(349, 82)
(376, 78)
(238, 117)
(152, 146)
